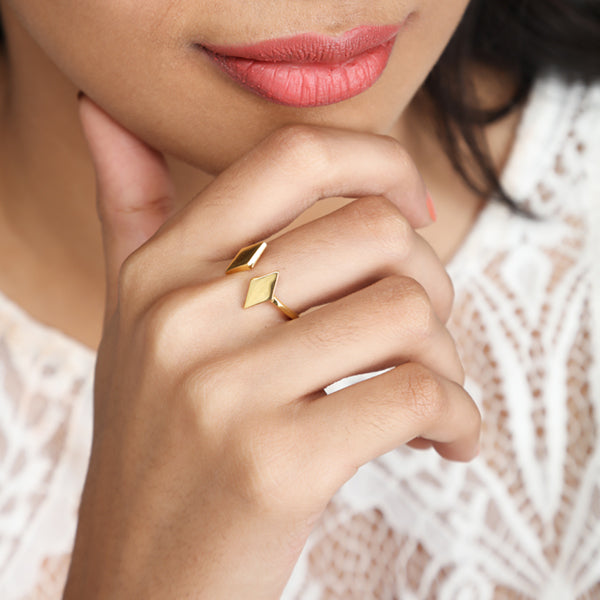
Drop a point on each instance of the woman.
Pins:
(202, 129)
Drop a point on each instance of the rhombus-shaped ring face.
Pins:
(246, 258)
(261, 289)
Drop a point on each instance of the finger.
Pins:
(349, 249)
(283, 176)
(135, 194)
(364, 421)
(386, 324)
(319, 262)
(420, 443)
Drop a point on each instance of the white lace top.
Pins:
(521, 521)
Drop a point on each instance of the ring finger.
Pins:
(350, 249)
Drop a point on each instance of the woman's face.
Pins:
(144, 61)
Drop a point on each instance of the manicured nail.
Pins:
(431, 208)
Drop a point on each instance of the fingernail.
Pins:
(431, 208)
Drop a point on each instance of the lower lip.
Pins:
(307, 84)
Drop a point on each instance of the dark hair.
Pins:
(522, 38)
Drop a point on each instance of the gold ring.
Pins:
(261, 289)
(246, 258)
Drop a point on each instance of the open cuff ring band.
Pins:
(261, 289)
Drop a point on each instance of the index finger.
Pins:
(287, 173)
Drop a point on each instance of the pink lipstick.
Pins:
(309, 69)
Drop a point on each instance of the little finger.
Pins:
(364, 421)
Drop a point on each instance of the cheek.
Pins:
(440, 19)
(433, 27)
(90, 38)
(135, 59)
(129, 56)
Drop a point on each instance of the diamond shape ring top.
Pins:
(246, 258)
(261, 289)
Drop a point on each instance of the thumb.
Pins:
(135, 194)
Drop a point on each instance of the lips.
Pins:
(309, 69)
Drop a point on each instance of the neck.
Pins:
(457, 205)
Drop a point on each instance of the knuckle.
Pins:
(398, 152)
(407, 307)
(417, 308)
(264, 477)
(402, 160)
(381, 221)
(211, 379)
(211, 390)
(302, 146)
(132, 275)
(165, 326)
(258, 454)
(426, 396)
(268, 462)
(158, 319)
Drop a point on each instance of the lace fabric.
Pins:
(45, 435)
(522, 521)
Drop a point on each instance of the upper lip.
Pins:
(312, 47)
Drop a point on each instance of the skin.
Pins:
(167, 92)
(44, 163)
(176, 428)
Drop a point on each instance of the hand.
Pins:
(215, 449)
